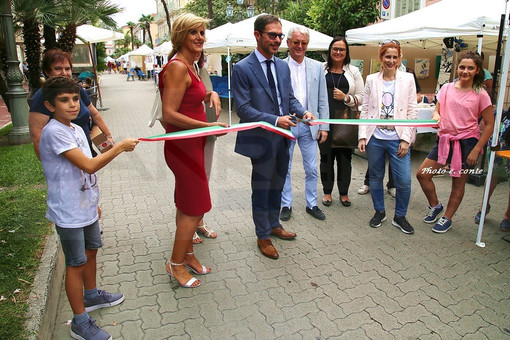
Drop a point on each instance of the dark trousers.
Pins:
(267, 180)
(343, 157)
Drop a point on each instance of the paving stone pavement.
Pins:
(339, 279)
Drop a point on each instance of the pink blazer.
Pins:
(405, 104)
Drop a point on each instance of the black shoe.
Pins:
(316, 212)
(285, 214)
(379, 217)
(401, 222)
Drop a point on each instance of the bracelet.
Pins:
(347, 97)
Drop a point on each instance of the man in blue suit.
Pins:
(309, 86)
(262, 91)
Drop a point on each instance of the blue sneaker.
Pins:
(442, 225)
(432, 214)
(103, 299)
(505, 225)
(88, 331)
(478, 215)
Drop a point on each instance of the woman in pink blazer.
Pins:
(389, 94)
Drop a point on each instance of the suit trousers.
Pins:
(267, 180)
(308, 149)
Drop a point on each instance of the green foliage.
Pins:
(296, 11)
(6, 130)
(121, 51)
(199, 7)
(101, 57)
(19, 166)
(334, 17)
(23, 230)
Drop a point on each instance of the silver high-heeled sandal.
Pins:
(204, 271)
(188, 284)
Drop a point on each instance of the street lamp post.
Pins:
(250, 10)
(17, 94)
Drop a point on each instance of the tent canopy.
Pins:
(428, 26)
(239, 37)
(163, 49)
(143, 50)
(92, 34)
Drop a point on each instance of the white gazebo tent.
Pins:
(90, 34)
(468, 19)
(163, 50)
(238, 38)
(473, 21)
(143, 51)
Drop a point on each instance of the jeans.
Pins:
(376, 153)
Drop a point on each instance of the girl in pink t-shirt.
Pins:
(459, 107)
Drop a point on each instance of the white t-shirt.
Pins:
(73, 195)
(387, 111)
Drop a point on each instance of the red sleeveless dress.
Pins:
(185, 157)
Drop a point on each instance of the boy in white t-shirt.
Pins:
(73, 197)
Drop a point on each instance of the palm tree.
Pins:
(74, 13)
(145, 22)
(167, 13)
(31, 14)
(131, 26)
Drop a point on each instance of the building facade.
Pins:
(163, 32)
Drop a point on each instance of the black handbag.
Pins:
(345, 136)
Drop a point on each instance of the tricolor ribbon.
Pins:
(391, 122)
(220, 130)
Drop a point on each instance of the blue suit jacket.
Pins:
(254, 103)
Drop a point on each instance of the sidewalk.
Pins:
(338, 279)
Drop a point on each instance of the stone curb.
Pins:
(43, 300)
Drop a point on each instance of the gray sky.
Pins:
(133, 10)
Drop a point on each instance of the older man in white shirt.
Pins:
(309, 86)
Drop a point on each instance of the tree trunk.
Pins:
(150, 35)
(132, 39)
(67, 38)
(50, 37)
(167, 17)
(143, 37)
(210, 12)
(32, 39)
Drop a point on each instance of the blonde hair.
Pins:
(180, 28)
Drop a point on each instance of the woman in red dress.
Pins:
(182, 94)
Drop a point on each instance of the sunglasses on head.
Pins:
(392, 41)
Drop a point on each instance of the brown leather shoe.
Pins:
(282, 233)
(267, 248)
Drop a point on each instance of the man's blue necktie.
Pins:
(272, 87)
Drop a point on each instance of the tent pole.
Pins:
(229, 89)
(480, 41)
(495, 135)
(100, 107)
